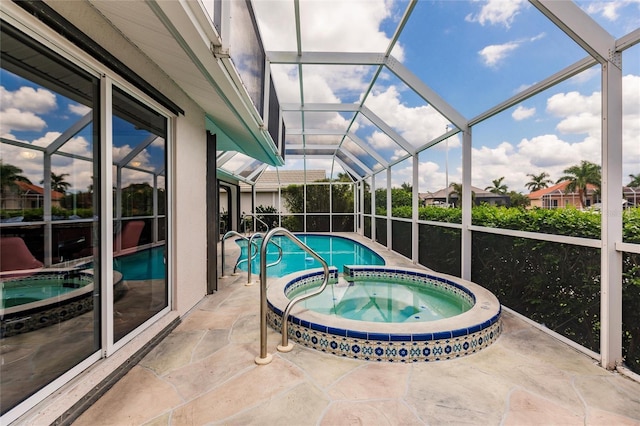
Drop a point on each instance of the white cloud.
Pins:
(497, 12)
(522, 113)
(79, 109)
(418, 125)
(576, 114)
(19, 109)
(379, 140)
(38, 101)
(495, 53)
(13, 119)
(579, 114)
(608, 9)
(326, 26)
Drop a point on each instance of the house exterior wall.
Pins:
(189, 155)
(186, 168)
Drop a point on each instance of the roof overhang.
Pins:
(180, 38)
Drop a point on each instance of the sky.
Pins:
(474, 55)
(38, 116)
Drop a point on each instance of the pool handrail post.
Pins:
(264, 357)
(250, 258)
(227, 235)
(251, 242)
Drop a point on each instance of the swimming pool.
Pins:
(400, 341)
(385, 301)
(47, 298)
(335, 250)
(142, 265)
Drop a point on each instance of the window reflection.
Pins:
(139, 249)
(49, 316)
(247, 53)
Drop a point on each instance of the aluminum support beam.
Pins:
(531, 91)
(415, 234)
(70, 132)
(611, 259)
(321, 132)
(466, 204)
(355, 159)
(389, 208)
(373, 208)
(346, 167)
(579, 26)
(426, 93)
(355, 139)
(386, 129)
(326, 58)
(320, 107)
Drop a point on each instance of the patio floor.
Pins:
(204, 373)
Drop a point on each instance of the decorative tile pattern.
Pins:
(391, 347)
(44, 314)
(419, 349)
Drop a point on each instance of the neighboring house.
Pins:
(632, 196)
(556, 196)
(267, 187)
(439, 198)
(27, 196)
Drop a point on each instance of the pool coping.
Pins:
(415, 341)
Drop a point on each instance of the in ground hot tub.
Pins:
(47, 297)
(418, 333)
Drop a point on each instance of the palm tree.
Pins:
(538, 182)
(58, 183)
(456, 188)
(579, 177)
(9, 174)
(635, 181)
(498, 187)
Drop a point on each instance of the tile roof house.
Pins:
(479, 196)
(557, 196)
(28, 196)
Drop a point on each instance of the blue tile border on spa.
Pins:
(417, 346)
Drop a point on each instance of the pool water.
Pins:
(336, 251)
(142, 265)
(383, 301)
(147, 264)
(33, 289)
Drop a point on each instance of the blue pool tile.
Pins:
(305, 324)
(440, 335)
(422, 337)
(318, 327)
(400, 337)
(486, 324)
(459, 332)
(475, 328)
(382, 337)
(356, 334)
(337, 331)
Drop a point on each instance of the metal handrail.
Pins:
(250, 256)
(264, 357)
(278, 260)
(227, 235)
(253, 215)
